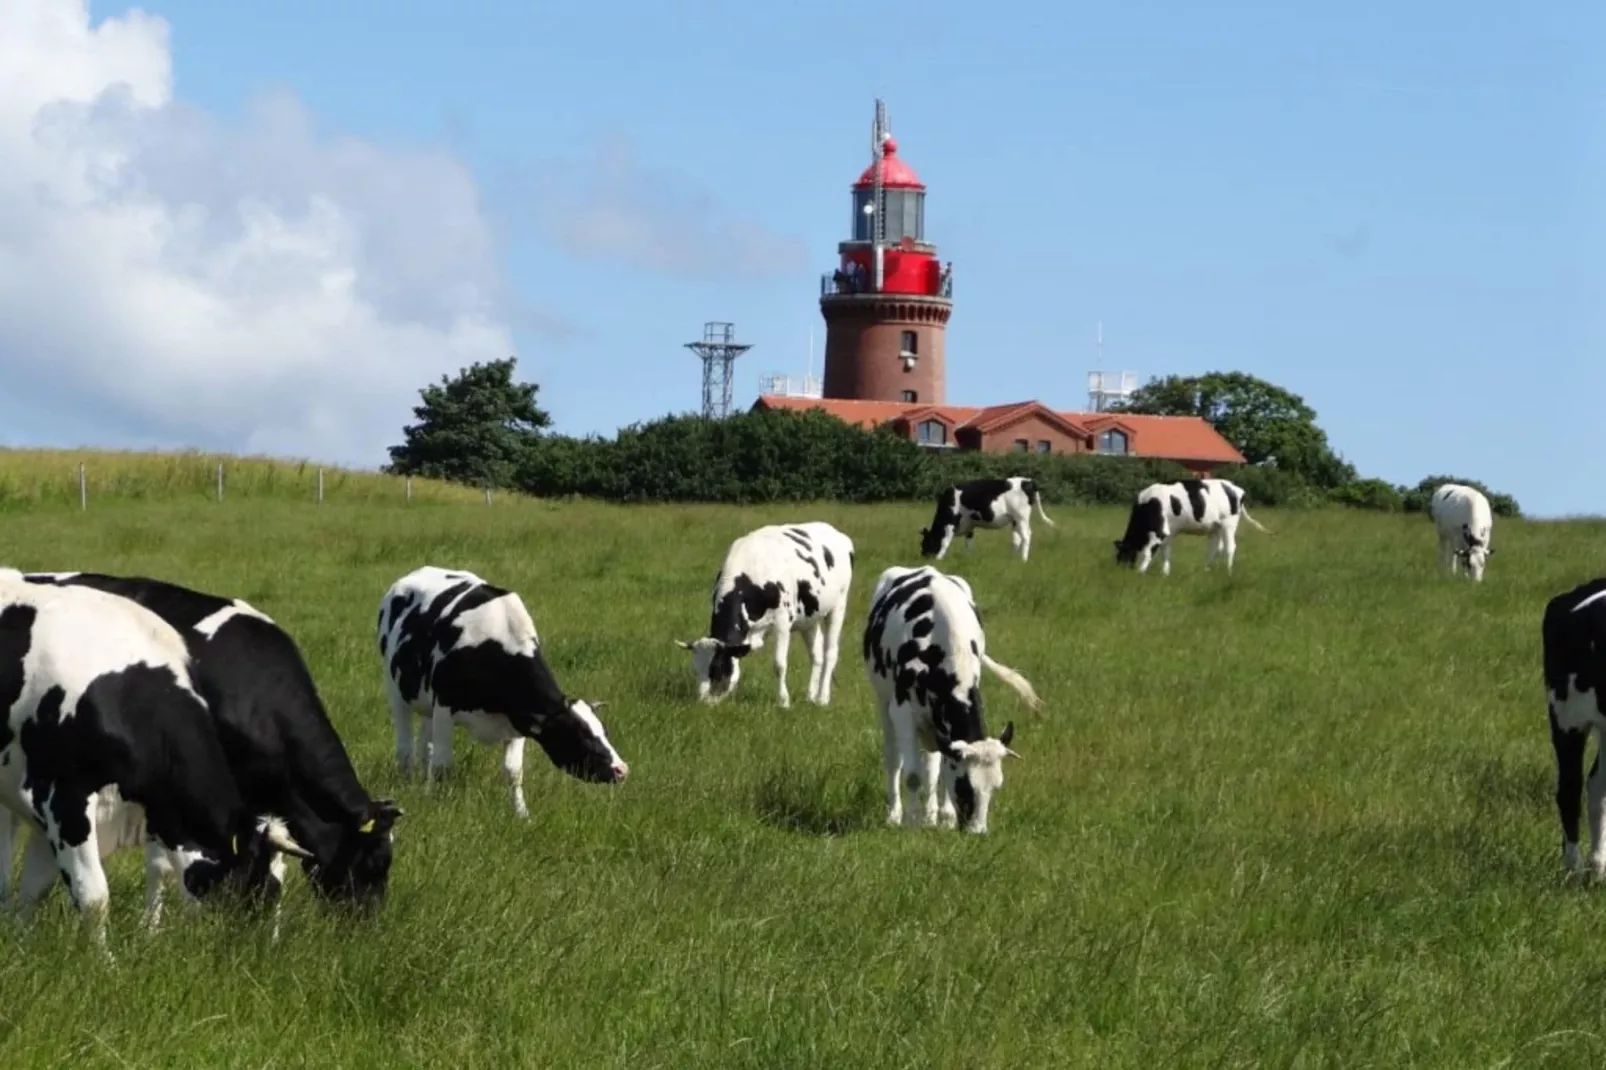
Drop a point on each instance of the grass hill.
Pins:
(1300, 816)
(51, 477)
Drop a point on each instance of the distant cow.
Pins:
(1464, 522)
(924, 650)
(1163, 511)
(460, 651)
(283, 752)
(1574, 638)
(984, 503)
(774, 581)
(99, 700)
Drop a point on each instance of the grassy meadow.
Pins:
(1297, 817)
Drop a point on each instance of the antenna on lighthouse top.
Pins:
(880, 131)
(1107, 388)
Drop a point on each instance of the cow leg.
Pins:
(440, 747)
(81, 870)
(915, 769)
(1229, 547)
(38, 878)
(970, 541)
(1569, 747)
(947, 813)
(1597, 813)
(833, 649)
(401, 719)
(1020, 540)
(933, 775)
(891, 763)
(9, 825)
(816, 658)
(157, 869)
(781, 632)
(513, 766)
(1165, 557)
(1212, 547)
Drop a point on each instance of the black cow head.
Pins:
(358, 872)
(577, 743)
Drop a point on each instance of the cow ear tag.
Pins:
(234, 844)
(366, 826)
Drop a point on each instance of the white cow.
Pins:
(774, 581)
(1464, 522)
(924, 650)
(984, 503)
(1163, 511)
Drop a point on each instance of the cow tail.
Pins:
(1244, 512)
(1015, 680)
(1037, 499)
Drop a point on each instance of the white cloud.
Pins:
(256, 288)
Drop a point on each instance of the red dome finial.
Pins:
(889, 146)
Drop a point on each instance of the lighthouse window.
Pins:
(911, 396)
(933, 433)
(910, 345)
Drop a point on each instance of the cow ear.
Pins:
(382, 814)
(599, 704)
(957, 749)
(1009, 733)
(682, 644)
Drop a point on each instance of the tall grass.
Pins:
(1296, 817)
(51, 477)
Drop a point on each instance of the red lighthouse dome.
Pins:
(895, 173)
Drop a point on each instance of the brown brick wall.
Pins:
(1033, 430)
(863, 344)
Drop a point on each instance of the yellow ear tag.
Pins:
(234, 844)
(366, 826)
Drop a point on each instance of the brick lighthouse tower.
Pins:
(886, 307)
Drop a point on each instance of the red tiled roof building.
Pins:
(886, 310)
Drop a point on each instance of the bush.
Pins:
(1271, 486)
(1416, 500)
(1378, 494)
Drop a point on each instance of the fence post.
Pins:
(320, 486)
(409, 488)
(487, 495)
(83, 488)
(220, 481)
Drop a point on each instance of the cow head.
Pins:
(717, 666)
(358, 872)
(576, 743)
(934, 540)
(246, 868)
(977, 769)
(1474, 554)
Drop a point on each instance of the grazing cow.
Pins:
(1163, 511)
(924, 650)
(984, 503)
(458, 650)
(1574, 638)
(283, 752)
(774, 581)
(102, 715)
(1464, 522)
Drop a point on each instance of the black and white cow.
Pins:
(1574, 642)
(924, 650)
(102, 715)
(1465, 522)
(984, 503)
(1163, 511)
(461, 651)
(283, 752)
(774, 581)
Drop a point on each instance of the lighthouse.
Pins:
(886, 306)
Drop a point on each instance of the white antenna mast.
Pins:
(878, 137)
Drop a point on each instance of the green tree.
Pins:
(1270, 426)
(478, 428)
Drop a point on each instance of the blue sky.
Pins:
(1394, 210)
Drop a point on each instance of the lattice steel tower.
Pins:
(718, 351)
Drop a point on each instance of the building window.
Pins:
(933, 433)
(1113, 441)
(1021, 445)
(911, 344)
(911, 396)
(1043, 446)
